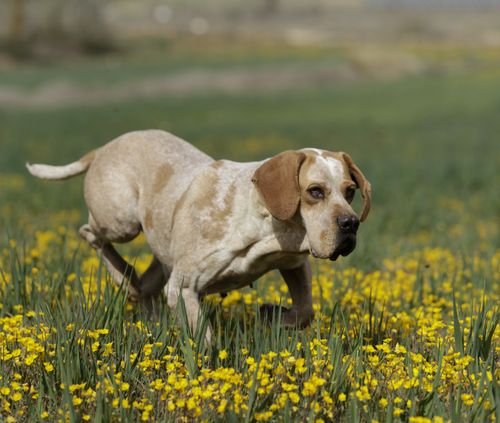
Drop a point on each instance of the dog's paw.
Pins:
(274, 313)
(149, 305)
(88, 235)
(288, 317)
(270, 312)
(133, 294)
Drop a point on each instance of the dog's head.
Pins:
(320, 185)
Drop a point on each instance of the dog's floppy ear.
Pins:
(362, 183)
(277, 181)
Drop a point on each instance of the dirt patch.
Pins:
(264, 78)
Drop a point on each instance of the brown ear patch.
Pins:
(277, 181)
(362, 183)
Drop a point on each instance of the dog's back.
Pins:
(130, 178)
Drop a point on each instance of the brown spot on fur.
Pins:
(223, 212)
(308, 163)
(338, 210)
(323, 236)
(178, 206)
(216, 164)
(341, 159)
(88, 158)
(162, 177)
(148, 219)
(220, 213)
(214, 229)
(208, 191)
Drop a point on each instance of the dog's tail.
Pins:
(49, 172)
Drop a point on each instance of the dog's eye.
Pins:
(316, 193)
(349, 194)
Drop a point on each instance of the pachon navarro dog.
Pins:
(214, 226)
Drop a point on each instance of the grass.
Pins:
(406, 327)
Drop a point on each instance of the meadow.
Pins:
(406, 327)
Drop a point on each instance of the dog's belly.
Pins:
(229, 282)
(237, 276)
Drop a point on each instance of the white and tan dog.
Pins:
(214, 226)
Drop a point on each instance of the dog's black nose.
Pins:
(348, 223)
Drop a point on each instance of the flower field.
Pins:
(416, 339)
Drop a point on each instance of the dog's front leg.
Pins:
(299, 285)
(178, 287)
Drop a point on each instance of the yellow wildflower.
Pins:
(17, 396)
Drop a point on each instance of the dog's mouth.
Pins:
(345, 248)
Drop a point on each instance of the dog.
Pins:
(216, 225)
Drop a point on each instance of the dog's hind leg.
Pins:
(151, 283)
(117, 267)
(153, 279)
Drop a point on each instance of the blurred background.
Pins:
(410, 88)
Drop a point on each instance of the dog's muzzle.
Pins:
(348, 226)
(345, 247)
